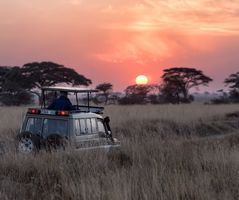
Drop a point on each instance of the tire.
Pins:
(27, 143)
(56, 142)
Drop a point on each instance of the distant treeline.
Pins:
(18, 85)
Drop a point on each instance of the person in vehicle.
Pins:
(61, 103)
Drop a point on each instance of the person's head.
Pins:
(63, 93)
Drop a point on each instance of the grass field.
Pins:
(185, 152)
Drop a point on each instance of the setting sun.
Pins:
(141, 80)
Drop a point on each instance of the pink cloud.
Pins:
(116, 40)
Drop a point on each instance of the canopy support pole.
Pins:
(88, 99)
(43, 99)
(77, 101)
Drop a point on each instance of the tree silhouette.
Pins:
(14, 80)
(106, 89)
(136, 94)
(3, 71)
(178, 81)
(32, 76)
(13, 87)
(233, 82)
(170, 92)
(49, 74)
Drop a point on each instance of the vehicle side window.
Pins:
(54, 126)
(101, 127)
(88, 126)
(77, 127)
(34, 125)
(82, 127)
(85, 126)
(93, 125)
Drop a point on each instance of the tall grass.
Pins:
(168, 152)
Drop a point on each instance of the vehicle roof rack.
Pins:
(85, 109)
(75, 90)
(69, 89)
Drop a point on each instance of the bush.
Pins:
(234, 96)
(220, 100)
(132, 99)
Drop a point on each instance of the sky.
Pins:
(116, 40)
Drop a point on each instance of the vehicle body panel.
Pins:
(84, 130)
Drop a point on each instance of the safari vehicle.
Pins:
(81, 128)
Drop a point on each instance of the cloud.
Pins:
(152, 30)
(181, 14)
(123, 33)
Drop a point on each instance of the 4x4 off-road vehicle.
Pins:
(82, 127)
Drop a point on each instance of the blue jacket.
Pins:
(61, 103)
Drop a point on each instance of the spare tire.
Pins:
(27, 143)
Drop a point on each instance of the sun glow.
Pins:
(141, 80)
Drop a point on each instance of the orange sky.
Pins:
(116, 40)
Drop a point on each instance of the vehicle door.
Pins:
(33, 125)
(86, 133)
(52, 126)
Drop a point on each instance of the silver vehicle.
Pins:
(82, 127)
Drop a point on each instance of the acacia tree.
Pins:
(106, 89)
(170, 92)
(3, 71)
(178, 81)
(48, 74)
(32, 76)
(13, 87)
(233, 82)
(136, 94)
(14, 80)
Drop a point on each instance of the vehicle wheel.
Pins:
(56, 142)
(27, 143)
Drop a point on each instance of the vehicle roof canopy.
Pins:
(75, 90)
(69, 89)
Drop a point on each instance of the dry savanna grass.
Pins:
(176, 152)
